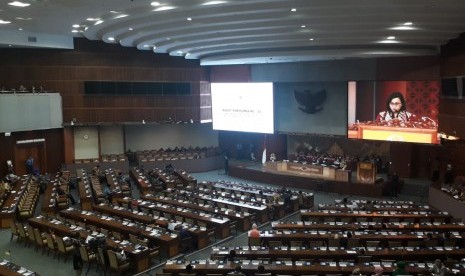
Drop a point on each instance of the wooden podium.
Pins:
(401, 134)
(366, 172)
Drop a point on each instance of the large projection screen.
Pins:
(246, 107)
(21, 112)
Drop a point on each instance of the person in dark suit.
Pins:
(29, 165)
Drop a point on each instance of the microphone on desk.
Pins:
(424, 118)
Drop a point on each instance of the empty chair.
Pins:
(233, 227)
(41, 240)
(272, 244)
(329, 219)
(296, 243)
(51, 245)
(353, 242)
(87, 257)
(63, 248)
(431, 243)
(30, 235)
(115, 264)
(372, 243)
(14, 231)
(363, 259)
(413, 243)
(394, 244)
(316, 244)
(254, 241)
(334, 242)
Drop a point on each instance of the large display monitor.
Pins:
(246, 107)
(404, 111)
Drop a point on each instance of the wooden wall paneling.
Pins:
(452, 125)
(401, 158)
(408, 68)
(452, 107)
(68, 139)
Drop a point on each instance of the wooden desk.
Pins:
(221, 225)
(377, 254)
(8, 268)
(139, 257)
(300, 268)
(417, 216)
(242, 219)
(85, 192)
(169, 243)
(141, 180)
(10, 205)
(291, 235)
(352, 226)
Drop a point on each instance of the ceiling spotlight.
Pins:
(74, 31)
(189, 19)
(92, 19)
(76, 26)
(19, 4)
(293, 10)
(311, 39)
(408, 24)
(20, 29)
(120, 16)
(4, 22)
(155, 4)
(213, 3)
(303, 26)
(98, 22)
(391, 37)
(131, 29)
(111, 38)
(164, 8)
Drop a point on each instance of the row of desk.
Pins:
(138, 255)
(299, 268)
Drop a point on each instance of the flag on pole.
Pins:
(264, 151)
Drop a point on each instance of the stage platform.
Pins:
(262, 173)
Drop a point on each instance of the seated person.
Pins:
(237, 271)
(254, 233)
(439, 269)
(121, 256)
(261, 271)
(231, 257)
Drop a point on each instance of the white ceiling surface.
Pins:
(250, 31)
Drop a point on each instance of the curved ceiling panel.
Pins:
(252, 31)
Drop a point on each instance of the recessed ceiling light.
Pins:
(20, 29)
(155, 4)
(19, 4)
(120, 16)
(303, 26)
(388, 41)
(214, 3)
(111, 38)
(164, 8)
(311, 39)
(92, 19)
(391, 37)
(189, 19)
(403, 28)
(146, 46)
(408, 24)
(293, 10)
(74, 31)
(23, 18)
(131, 29)
(98, 22)
(76, 26)
(4, 21)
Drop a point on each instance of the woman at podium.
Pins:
(396, 109)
